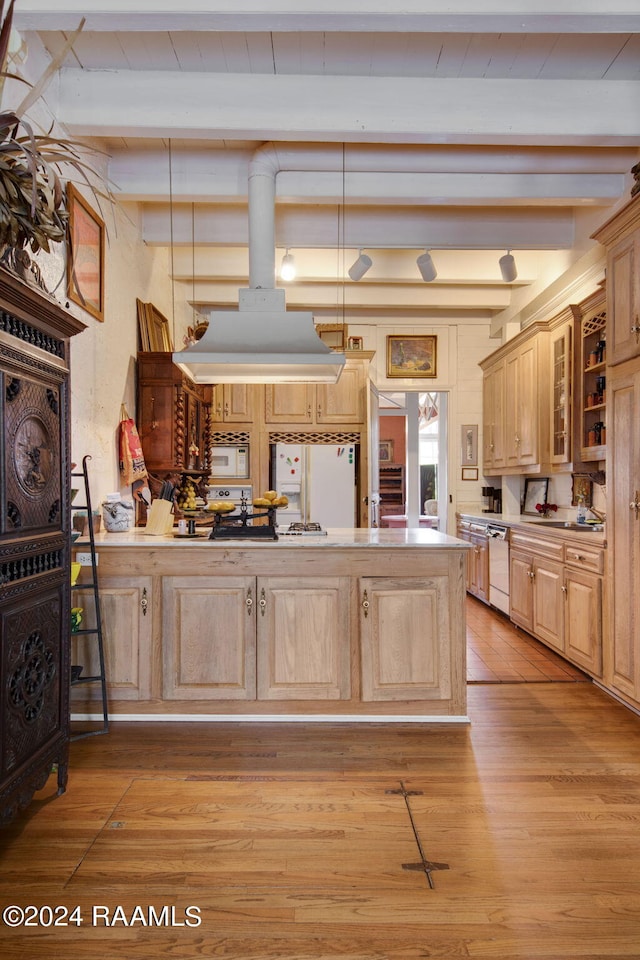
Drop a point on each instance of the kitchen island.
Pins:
(353, 625)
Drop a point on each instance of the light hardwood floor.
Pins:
(291, 839)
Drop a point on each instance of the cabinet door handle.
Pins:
(532, 575)
(144, 602)
(635, 504)
(365, 604)
(635, 328)
(563, 588)
(226, 409)
(309, 411)
(263, 602)
(249, 602)
(319, 411)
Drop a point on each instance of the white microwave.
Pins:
(230, 461)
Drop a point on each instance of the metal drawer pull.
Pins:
(262, 602)
(249, 602)
(635, 504)
(144, 603)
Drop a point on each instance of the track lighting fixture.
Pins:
(358, 269)
(426, 267)
(508, 267)
(288, 267)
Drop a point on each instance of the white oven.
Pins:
(234, 492)
(230, 460)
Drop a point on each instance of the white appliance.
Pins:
(229, 461)
(498, 566)
(235, 493)
(319, 480)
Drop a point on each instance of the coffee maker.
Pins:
(487, 497)
(492, 497)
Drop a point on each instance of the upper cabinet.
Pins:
(233, 403)
(516, 404)
(621, 236)
(321, 404)
(561, 391)
(591, 399)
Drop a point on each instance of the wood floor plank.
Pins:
(286, 838)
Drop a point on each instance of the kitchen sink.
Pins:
(570, 525)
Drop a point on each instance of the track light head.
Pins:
(358, 269)
(426, 267)
(508, 267)
(288, 267)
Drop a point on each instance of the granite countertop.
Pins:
(334, 538)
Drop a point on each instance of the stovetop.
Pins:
(302, 530)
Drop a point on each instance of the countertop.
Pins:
(334, 538)
(550, 525)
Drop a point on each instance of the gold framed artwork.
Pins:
(153, 328)
(469, 473)
(385, 451)
(581, 490)
(333, 334)
(85, 255)
(413, 356)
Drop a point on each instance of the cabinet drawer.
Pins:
(540, 546)
(586, 557)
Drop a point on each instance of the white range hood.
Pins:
(261, 342)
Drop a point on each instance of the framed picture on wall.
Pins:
(535, 491)
(581, 490)
(85, 255)
(385, 451)
(469, 444)
(411, 356)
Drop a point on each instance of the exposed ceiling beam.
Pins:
(374, 109)
(516, 16)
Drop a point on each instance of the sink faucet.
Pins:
(597, 514)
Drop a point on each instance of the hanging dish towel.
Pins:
(132, 465)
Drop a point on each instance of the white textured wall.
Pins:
(103, 356)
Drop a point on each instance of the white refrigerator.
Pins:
(319, 481)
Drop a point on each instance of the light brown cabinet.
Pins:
(477, 569)
(556, 594)
(302, 623)
(493, 406)
(394, 613)
(125, 605)
(233, 403)
(516, 405)
(242, 638)
(343, 402)
(621, 236)
(592, 399)
(622, 660)
(561, 386)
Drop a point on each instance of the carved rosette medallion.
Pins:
(32, 455)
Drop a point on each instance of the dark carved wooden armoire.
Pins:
(35, 334)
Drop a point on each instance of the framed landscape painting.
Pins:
(412, 356)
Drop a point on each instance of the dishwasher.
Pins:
(498, 566)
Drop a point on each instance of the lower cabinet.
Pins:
(242, 638)
(558, 598)
(477, 567)
(394, 613)
(125, 605)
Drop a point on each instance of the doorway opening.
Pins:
(413, 458)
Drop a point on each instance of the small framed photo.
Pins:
(581, 490)
(469, 444)
(333, 334)
(85, 255)
(535, 491)
(385, 454)
(412, 356)
(469, 473)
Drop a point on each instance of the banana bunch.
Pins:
(270, 498)
(187, 495)
(221, 506)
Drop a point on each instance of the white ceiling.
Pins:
(466, 128)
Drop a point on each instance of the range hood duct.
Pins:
(261, 342)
